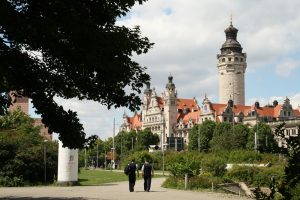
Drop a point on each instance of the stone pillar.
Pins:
(67, 166)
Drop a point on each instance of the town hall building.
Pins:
(170, 116)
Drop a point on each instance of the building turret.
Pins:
(170, 108)
(232, 66)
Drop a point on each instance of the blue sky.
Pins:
(189, 33)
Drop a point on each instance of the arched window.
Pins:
(236, 59)
(223, 59)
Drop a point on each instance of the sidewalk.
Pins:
(112, 191)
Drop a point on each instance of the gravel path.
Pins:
(113, 191)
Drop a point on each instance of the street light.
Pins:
(199, 138)
(45, 161)
(97, 155)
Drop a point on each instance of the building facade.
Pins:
(22, 103)
(170, 116)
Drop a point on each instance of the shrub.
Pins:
(256, 176)
(6, 181)
(263, 177)
(215, 165)
(174, 182)
(241, 156)
(242, 173)
(295, 192)
(183, 162)
(203, 182)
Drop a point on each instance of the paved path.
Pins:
(113, 191)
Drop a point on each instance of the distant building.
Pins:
(170, 116)
(23, 104)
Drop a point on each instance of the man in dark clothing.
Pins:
(147, 173)
(132, 175)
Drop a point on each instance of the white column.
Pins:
(67, 165)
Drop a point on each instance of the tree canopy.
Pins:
(22, 151)
(69, 49)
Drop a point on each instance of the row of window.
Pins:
(231, 59)
(152, 119)
(291, 132)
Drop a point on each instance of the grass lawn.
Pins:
(100, 176)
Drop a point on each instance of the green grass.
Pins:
(97, 177)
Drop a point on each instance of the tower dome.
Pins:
(231, 44)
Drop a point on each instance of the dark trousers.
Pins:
(147, 183)
(132, 180)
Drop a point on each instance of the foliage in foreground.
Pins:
(70, 49)
(22, 152)
(290, 188)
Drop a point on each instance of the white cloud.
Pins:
(286, 68)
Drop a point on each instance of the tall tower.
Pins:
(232, 66)
(170, 108)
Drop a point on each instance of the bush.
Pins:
(181, 163)
(203, 182)
(11, 182)
(242, 173)
(263, 177)
(215, 165)
(195, 182)
(256, 176)
(241, 156)
(295, 192)
(174, 182)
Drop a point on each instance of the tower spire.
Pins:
(231, 18)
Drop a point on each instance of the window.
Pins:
(223, 60)
(236, 59)
(229, 59)
(225, 119)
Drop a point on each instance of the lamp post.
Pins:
(45, 161)
(256, 134)
(113, 147)
(199, 149)
(97, 155)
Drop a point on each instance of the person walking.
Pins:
(132, 175)
(147, 173)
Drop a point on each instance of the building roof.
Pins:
(135, 121)
(191, 104)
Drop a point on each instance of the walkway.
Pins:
(113, 191)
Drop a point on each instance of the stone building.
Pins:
(23, 104)
(170, 116)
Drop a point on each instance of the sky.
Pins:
(188, 34)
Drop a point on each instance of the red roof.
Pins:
(135, 121)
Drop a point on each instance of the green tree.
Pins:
(70, 49)
(227, 137)
(146, 138)
(135, 141)
(265, 138)
(206, 133)
(291, 188)
(22, 150)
